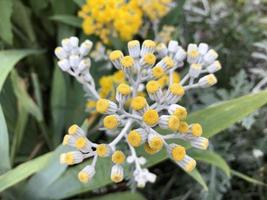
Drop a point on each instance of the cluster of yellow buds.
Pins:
(135, 119)
(106, 18)
(120, 18)
(156, 9)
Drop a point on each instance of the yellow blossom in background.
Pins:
(120, 18)
(155, 9)
(165, 35)
(107, 85)
(106, 18)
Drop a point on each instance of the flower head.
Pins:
(135, 118)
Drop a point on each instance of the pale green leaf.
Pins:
(23, 171)
(5, 20)
(211, 158)
(247, 178)
(8, 60)
(120, 195)
(4, 144)
(222, 115)
(46, 177)
(197, 176)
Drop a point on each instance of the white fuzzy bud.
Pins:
(74, 41)
(85, 47)
(84, 64)
(64, 64)
(61, 53)
(66, 44)
(74, 61)
(180, 55)
(211, 56)
(203, 48)
(173, 46)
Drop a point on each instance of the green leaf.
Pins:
(46, 177)
(222, 115)
(4, 144)
(19, 130)
(68, 19)
(234, 110)
(24, 98)
(23, 22)
(120, 195)
(58, 104)
(5, 22)
(197, 176)
(247, 178)
(23, 171)
(8, 60)
(80, 3)
(211, 158)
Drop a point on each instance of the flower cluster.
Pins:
(137, 119)
(106, 18)
(156, 9)
(120, 18)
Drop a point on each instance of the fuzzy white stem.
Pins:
(94, 160)
(137, 164)
(122, 133)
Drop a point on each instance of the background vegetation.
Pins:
(38, 102)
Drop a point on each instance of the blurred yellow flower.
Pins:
(155, 9)
(106, 18)
(120, 18)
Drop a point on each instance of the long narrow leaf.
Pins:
(24, 98)
(23, 171)
(197, 176)
(213, 159)
(68, 19)
(58, 104)
(4, 144)
(247, 178)
(5, 22)
(120, 195)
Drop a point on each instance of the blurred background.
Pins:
(39, 101)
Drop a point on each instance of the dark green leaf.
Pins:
(8, 60)
(68, 19)
(24, 98)
(5, 22)
(23, 23)
(58, 104)
(80, 3)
